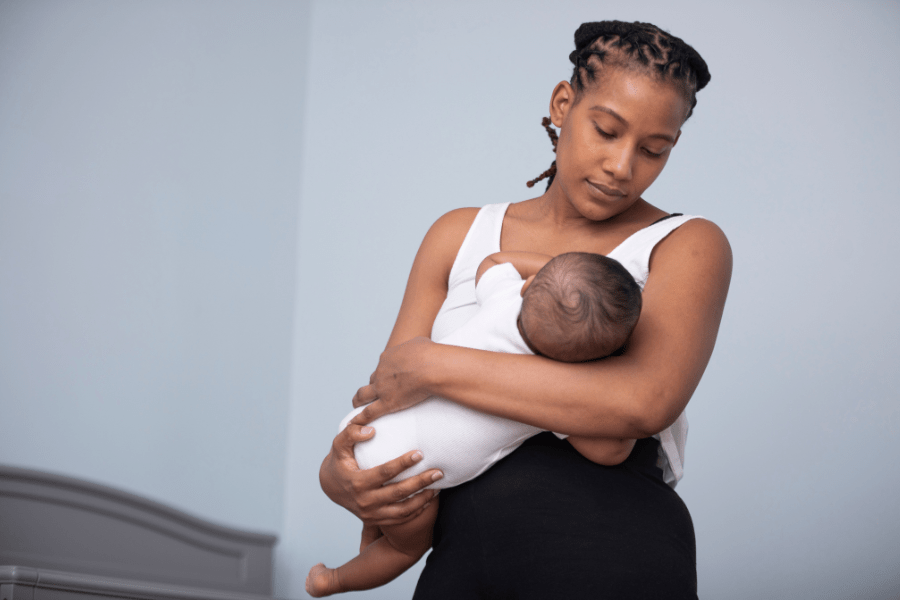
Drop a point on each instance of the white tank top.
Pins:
(483, 239)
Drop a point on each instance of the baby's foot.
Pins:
(322, 581)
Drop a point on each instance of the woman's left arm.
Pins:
(635, 395)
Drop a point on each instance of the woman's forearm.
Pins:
(588, 399)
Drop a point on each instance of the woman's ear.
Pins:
(561, 101)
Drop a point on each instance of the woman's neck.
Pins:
(555, 209)
(552, 224)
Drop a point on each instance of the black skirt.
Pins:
(545, 522)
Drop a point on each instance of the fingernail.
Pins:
(366, 430)
(417, 456)
(437, 476)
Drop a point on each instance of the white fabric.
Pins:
(482, 240)
(461, 305)
(462, 442)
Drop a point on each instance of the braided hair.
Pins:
(637, 46)
(554, 139)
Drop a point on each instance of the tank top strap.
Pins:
(634, 252)
(482, 239)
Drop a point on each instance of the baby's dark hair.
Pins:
(641, 47)
(580, 306)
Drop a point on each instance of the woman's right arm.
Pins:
(363, 492)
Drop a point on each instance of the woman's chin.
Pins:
(597, 209)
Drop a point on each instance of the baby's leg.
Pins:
(382, 561)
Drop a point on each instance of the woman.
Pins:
(545, 522)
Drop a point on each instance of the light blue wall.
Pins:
(149, 174)
(415, 108)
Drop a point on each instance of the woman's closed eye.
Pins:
(611, 136)
(604, 134)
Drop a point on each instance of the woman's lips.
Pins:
(607, 190)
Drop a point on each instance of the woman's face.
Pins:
(615, 140)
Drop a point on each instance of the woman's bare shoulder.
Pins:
(697, 236)
(446, 235)
(455, 222)
(698, 248)
(705, 228)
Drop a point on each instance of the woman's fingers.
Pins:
(378, 476)
(398, 492)
(371, 412)
(364, 395)
(401, 512)
(364, 492)
(397, 502)
(342, 446)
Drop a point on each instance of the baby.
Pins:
(573, 308)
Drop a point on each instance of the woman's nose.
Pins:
(618, 164)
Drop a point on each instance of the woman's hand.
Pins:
(363, 492)
(397, 383)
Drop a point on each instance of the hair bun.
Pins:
(698, 65)
(638, 33)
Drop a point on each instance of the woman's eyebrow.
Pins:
(610, 111)
(663, 136)
(616, 115)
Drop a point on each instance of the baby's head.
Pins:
(580, 307)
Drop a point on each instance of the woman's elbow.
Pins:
(655, 412)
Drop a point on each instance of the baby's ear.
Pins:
(526, 284)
